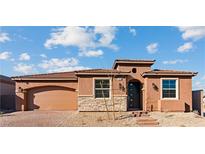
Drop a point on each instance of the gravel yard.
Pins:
(94, 119)
(178, 119)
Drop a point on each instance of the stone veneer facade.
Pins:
(89, 103)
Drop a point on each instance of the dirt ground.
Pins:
(178, 119)
(95, 119)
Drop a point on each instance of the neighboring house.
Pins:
(7, 93)
(204, 102)
(129, 85)
(197, 101)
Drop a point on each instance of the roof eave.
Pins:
(42, 79)
(169, 74)
(108, 73)
(151, 62)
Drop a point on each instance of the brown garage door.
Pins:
(52, 98)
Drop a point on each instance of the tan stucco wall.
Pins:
(152, 96)
(140, 69)
(153, 99)
(22, 97)
(88, 102)
(86, 87)
(32, 84)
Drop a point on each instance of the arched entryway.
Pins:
(134, 95)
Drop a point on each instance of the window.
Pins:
(169, 89)
(102, 88)
(134, 70)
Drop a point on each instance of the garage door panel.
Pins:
(52, 98)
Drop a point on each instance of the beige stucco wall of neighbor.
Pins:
(88, 102)
(7, 94)
(154, 102)
(27, 86)
(7, 88)
(197, 100)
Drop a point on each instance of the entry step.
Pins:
(140, 113)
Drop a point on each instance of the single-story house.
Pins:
(129, 85)
(7, 93)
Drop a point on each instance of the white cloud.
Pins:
(192, 32)
(133, 31)
(5, 55)
(152, 48)
(107, 35)
(91, 53)
(24, 56)
(4, 37)
(84, 38)
(185, 47)
(61, 65)
(56, 62)
(23, 68)
(70, 36)
(199, 85)
(177, 61)
(43, 55)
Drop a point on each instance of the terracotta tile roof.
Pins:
(49, 76)
(169, 72)
(101, 71)
(66, 75)
(132, 61)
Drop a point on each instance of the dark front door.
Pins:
(134, 95)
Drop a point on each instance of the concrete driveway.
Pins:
(35, 118)
(65, 119)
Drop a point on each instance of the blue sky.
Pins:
(29, 50)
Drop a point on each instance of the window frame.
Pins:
(110, 87)
(177, 89)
